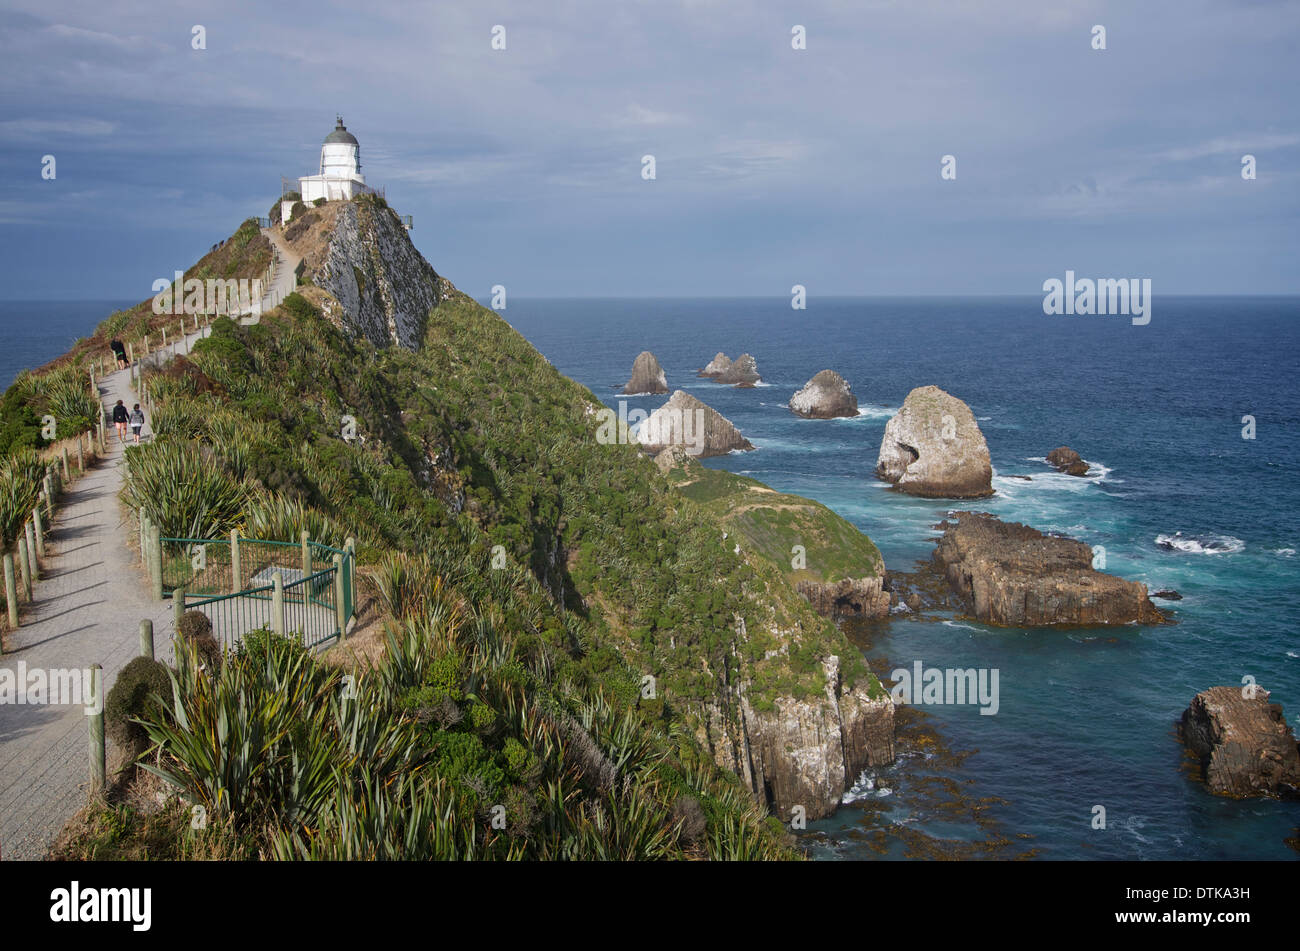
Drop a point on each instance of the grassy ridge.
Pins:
(537, 582)
(773, 523)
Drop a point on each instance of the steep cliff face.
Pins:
(360, 254)
(802, 753)
(863, 598)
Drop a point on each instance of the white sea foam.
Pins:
(1284, 552)
(876, 412)
(1294, 654)
(864, 787)
(1200, 544)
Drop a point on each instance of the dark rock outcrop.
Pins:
(1243, 743)
(647, 376)
(1167, 595)
(717, 366)
(685, 421)
(1064, 459)
(934, 448)
(1010, 574)
(826, 396)
(742, 372)
(862, 598)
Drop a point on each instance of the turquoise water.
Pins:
(1086, 717)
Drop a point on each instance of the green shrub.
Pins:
(196, 628)
(185, 489)
(259, 644)
(129, 699)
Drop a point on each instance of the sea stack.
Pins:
(934, 448)
(742, 372)
(685, 421)
(826, 396)
(1243, 743)
(1064, 459)
(1013, 575)
(647, 376)
(717, 366)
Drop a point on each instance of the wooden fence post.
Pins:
(49, 494)
(155, 561)
(178, 607)
(305, 538)
(141, 519)
(24, 568)
(11, 591)
(146, 638)
(64, 453)
(30, 530)
(39, 531)
(277, 602)
(81, 457)
(97, 772)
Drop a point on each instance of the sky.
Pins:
(774, 166)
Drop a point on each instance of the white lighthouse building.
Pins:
(340, 177)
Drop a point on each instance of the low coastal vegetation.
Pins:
(515, 693)
(800, 536)
(563, 639)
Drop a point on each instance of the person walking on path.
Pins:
(120, 418)
(119, 353)
(137, 422)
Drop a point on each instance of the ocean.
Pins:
(32, 333)
(1086, 717)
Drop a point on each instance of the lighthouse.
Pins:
(340, 177)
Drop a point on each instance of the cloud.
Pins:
(1237, 145)
(637, 115)
(29, 129)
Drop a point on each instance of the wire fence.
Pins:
(233, 582)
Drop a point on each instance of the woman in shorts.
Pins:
(120, 419)
(137, 422)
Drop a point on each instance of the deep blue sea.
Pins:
(32, 333)
(1086, 717)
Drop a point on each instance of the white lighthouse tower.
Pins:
(340, 177)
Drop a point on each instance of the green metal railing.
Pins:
(307, 589)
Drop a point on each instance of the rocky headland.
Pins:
(1014, 575)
